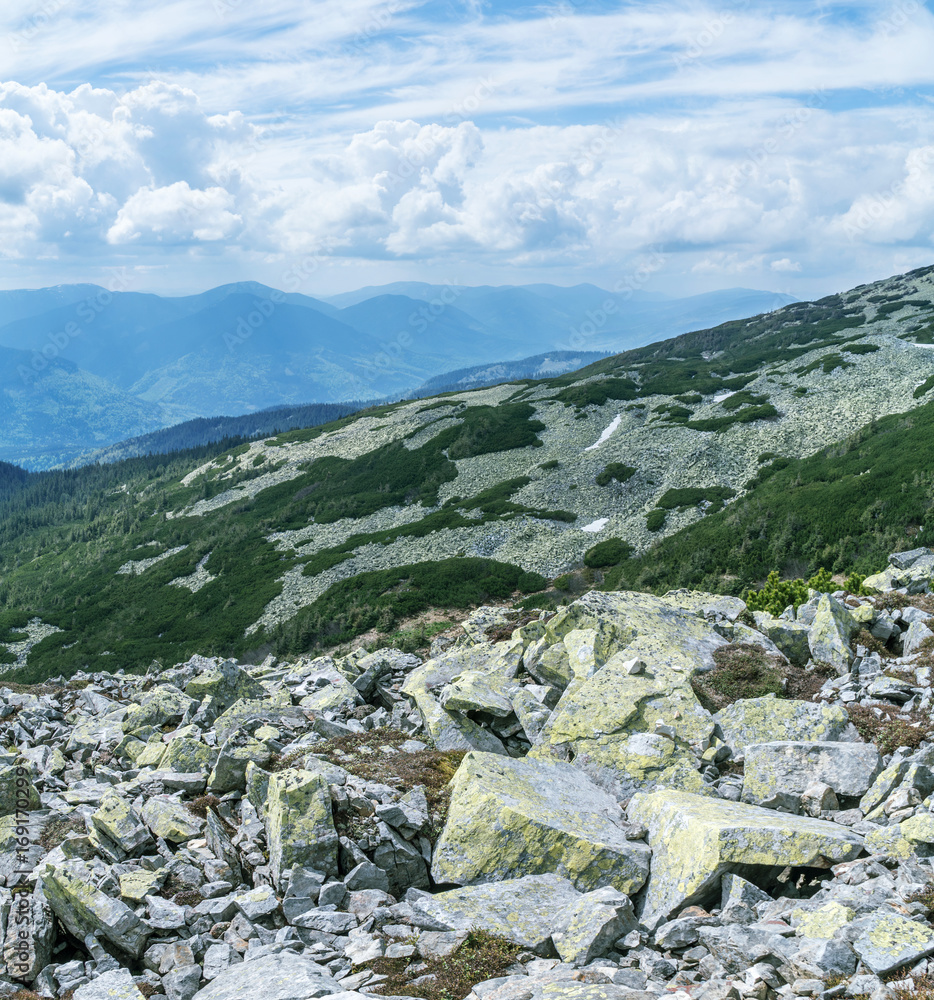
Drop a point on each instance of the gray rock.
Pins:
(256, 903)
(524, 910)
(790, 767)
(282, 976)
(761, 720)
(217, 958)
(366, 875)
(183, 983)
(587, 927)
(736, 947)
(819, 959)
(510, 818)
(115, 985)
(916, 634)
(888, 941)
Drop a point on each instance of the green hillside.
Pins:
(704, 461)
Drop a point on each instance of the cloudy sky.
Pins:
(180, 144)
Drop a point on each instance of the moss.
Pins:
(482, 956)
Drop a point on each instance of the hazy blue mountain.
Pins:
(22, 303)
(478, 376)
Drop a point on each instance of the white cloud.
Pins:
(785, 264)
(176, 214)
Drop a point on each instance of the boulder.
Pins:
(117, 821)
(163, 706)
(915, 636)
(187, 756)
(888, 941)
(587, 927)
(695, 840)
(790, 638)
(523, 910)
(284, 976)
(299, 825)
(510, 818)
(171, 820)
(830, 633)
(116, 984)
(761, 720)
(224, 683)
(229, 772)
(17, 790)
(85, 909)
(786, 769)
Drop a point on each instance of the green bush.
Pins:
(778, 594)
(656, 520)
(531, 583)
(615, 470)
(692, 496)
(607, 553)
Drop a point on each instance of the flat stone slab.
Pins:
(510, 818)
(889, 941)
(762, 720)
(788, 767)
(696, 840)
(272, 977)
(522, 909)
(114, 985)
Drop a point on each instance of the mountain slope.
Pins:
(258, 548)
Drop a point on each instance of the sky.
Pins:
(323, 145)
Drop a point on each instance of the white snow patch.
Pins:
(596, 526)
(723, 395)
(608, 433)
(925, 347)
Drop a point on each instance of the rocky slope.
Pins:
(289, 830)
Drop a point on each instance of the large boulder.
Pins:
(780, 772)
(164, 705)
(17, 791)
(84, 909)
(695, 840)
(888, 941)
(762, 720)
(510, 818)
(223, 683)
(299, 825)
(523, 910)
(790, 638)
(830, 633)
(272, 977)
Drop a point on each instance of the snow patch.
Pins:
(723, 395)
(596, 526)
(608, 433)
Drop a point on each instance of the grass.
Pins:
(58, 828)
(889, 732)
(742, 671)
(482, 956)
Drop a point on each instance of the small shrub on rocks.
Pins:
(481, 957)
(200, 805)
(889, 732)
(742, 671)
(58, 828)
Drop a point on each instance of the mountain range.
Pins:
(83, 367)
(797, 440)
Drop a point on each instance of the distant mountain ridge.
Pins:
(245, 347)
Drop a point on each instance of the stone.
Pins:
(915, 636)
(85, 909)
(26, 945)
(472, 691)
(790, 767)
(761, 720)
(162, 706)
(165, 915)
(888, 941)
(282, 976)
(737, 948)
(509, 818)
(695, 840)
(118, 822)
(224, 683)
(183, 983)
(366, 875)
(522, 910)
(117, 984)
(830, 633)
(17, 787)
(587, 928)
(824, 921)
(217, 958)
(790, 638)
(187, 756)
(819, 958)
(299, 825)
(170, 819)
(238, 751)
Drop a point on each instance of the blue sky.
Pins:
(685, 146)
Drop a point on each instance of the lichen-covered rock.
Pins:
(888, 941)
(783, 770)
(27, 933)
(522, 910)
(170, 819)
(224, 683)
(229, 772)
(272, 977)
(918, 829)
(696, 839)
(824, 921)
(162, 706)
(790, 638)
(85, 909)
(889, 841)
(117, 821)
(762, 720)
(639, 762)
(587, 927)
(472, 691)
(830, 633)
(510, 818)
(115, 984)
(187, 756)
(299, 825)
